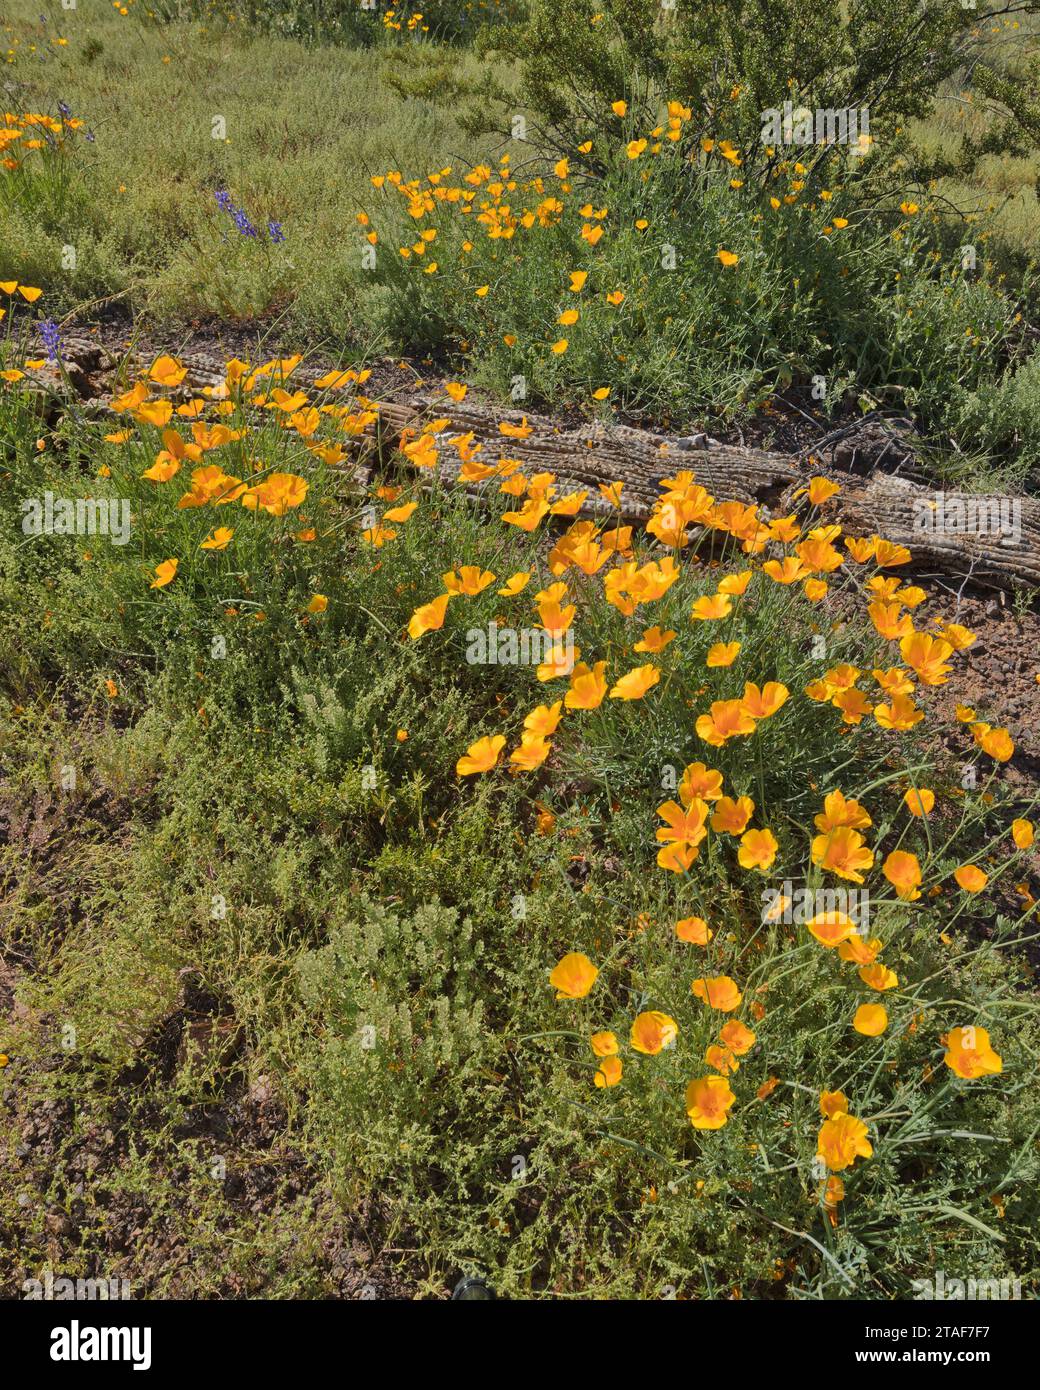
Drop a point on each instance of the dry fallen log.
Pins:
(999, 544)
(585, 455)
(591, 454)
(902, 511)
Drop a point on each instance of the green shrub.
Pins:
(820, 290)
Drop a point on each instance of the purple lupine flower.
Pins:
(242, 222)
(51, 335)
(65, 109)
(274, 231)
(223, 198)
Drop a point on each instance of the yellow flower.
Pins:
(318, 604)
(573, 975)
(652, 1032)
(904, 873)
(722, 654)
(820, 489)
(604, 1044)
(428, 617)
(971, 878)
(833, 1193)
(167, 371)
(871, 1020)
(700, 781)
(858, 951)
(878, 976)
(218, 539)
(588, 686)
(543, 720)
(757, 849)
(727, 258)
(276, 494)
(609, 1072)
(760, 704)
(402, 513)
(969, 1053)
(831, 928)
(919, 801)
(833, 1103)
(1022, 833)
(722, 1060)
(480, 756)
(164, 574)
(718, 992)
(694, 930)
(707, 1101)
(532, 752)
(710, 607)
(737, 1037)
(515, 584)
(843, 1139)
(654, 640)
(634, 684)
(843, 852)
(470, 580)
(996, 742)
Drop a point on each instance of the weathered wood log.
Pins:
(902, 511)
(585, 455)
(993, 541)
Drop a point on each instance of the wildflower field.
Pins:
(436, 844)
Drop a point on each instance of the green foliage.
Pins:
(875, 304)
(358, 23)
(260, 885)
(734, 60)
(266, 925)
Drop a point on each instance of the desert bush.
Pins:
(732, 61)
(670, 285)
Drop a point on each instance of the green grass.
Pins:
(305, 126)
